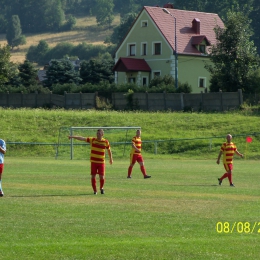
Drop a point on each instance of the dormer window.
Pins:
(202, 48)
(200, 43)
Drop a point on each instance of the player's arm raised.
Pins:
(80, 138)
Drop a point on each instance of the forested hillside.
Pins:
(54, 15)
(65, 35)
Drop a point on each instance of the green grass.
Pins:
(203, 132)
(49, 211)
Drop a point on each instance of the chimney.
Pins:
(196, 25)
(168, 6)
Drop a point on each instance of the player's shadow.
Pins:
(196, 185)
(49, 195)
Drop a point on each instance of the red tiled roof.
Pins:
(195, 40)
(131, 64)
(185, 32)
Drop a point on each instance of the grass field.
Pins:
(194, 135)
(49, 211)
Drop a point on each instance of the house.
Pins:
(149, 49)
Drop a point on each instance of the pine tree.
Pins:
(27, 74)
(14, 32)
(61, 72)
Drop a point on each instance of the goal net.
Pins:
(118, 137)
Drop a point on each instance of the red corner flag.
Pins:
(249, 139)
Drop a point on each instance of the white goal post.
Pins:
(113, 133)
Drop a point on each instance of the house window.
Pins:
(157, 48)
(202, 82)
(156, 74)
(145, 81)
(131, 80)
(132, 50)
(144, 23)
(202, 48)
(143, 49)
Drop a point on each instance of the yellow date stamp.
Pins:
(238, 227)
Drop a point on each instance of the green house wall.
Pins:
(190, 67)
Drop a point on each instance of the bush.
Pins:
(69, 24)
(24, 89)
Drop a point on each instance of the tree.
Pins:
(254, 15)
(61, 72)
(27, 74)
(70, 23)
(14, 32)
(54, 15)
(104, 12)
(234, 56)
(7, 68)
(97, 70)
(3, 24)
(38, 53)
(121, 30)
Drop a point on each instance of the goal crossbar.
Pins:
(77, 128)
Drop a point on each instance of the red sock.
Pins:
(230, 178)
(102, 182)
(129, 170)
(143, 170)
(93, 183)
(225, 175)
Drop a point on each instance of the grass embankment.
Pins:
(86, 30)
(203, 132)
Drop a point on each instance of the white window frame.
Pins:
(128, 48)
(156, 71)
(153, 50)
(204, 82)
(132, 79)
(144, 23)
(145, 77)
(142, 49)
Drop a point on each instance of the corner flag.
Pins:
(249, 139)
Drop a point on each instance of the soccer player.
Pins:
(97, 157)
(2, 152)
(228, 149)
(136, 156)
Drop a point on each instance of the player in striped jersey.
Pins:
(228, 149)
(136, 156)
(97, 157)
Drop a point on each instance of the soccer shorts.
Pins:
(228, 166)
(1, 168)
(136, 158)
(97, 168)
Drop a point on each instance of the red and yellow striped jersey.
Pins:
(228, 150)
(138, 143)
(98, 148)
